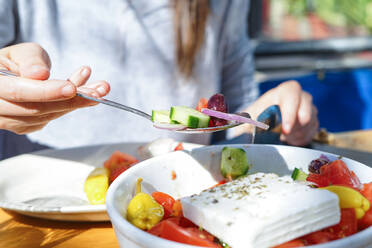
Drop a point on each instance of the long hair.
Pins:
(190, 18)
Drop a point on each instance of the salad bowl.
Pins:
(199, 169)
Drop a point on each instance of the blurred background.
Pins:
(326, 45)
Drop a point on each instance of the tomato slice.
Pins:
(166, 201)
(367, 191)
(366, 221)
(119, 159)
(348, 224)
(335, 173)
(291, 244)
(172, 230)
(318, 237)
(203, 103)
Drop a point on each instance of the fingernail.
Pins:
(85, 72)
(101, 90)
(68, 90)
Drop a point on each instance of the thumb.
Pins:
(32, 59)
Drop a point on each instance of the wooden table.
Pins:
(18, 231)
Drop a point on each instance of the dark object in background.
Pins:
(12, 145)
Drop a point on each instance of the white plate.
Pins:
(199, 170)
(50, 184)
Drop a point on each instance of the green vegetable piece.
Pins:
(234, 163)
(298, 175)
(161, 116)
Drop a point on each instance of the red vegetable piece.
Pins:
(166, 201)
(203, 103)
(366, 221)
(335, 173)
(172, 230)
(179, 147)
(318, 237)
(367, 191)
(348, 224)
(117, 163)
(119, 159)
(114, 173)
(291, 244)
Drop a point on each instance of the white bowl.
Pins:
(198, 170)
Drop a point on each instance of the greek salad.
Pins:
(324, 204)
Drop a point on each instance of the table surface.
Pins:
(18, 231)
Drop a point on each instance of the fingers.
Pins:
(9, 65)
(27, 90)
(290, 94)
(23, 125)
(80, 76)
(302, 135)
(32, 60)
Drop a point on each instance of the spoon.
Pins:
(243, 117)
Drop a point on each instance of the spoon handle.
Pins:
(100, 100)
(116, 105)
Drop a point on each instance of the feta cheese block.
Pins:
(261, 210)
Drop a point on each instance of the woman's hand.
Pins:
(29, 102)
(299, 115)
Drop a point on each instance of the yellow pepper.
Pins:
(143, 211)
(96, 185)
(350, 198)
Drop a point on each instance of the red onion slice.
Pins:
(168, 126)
(233, 117)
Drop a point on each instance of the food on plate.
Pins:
(234, 163)
(143, 211)
(119, 162)
(268, 210)
(98, 181)
(96, 185)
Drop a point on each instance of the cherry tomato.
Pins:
(166, 201)
(172, 230)
(291, 244)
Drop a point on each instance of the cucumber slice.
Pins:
(234, 162)
(189, 117)
(298, 175)
(161, 116)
